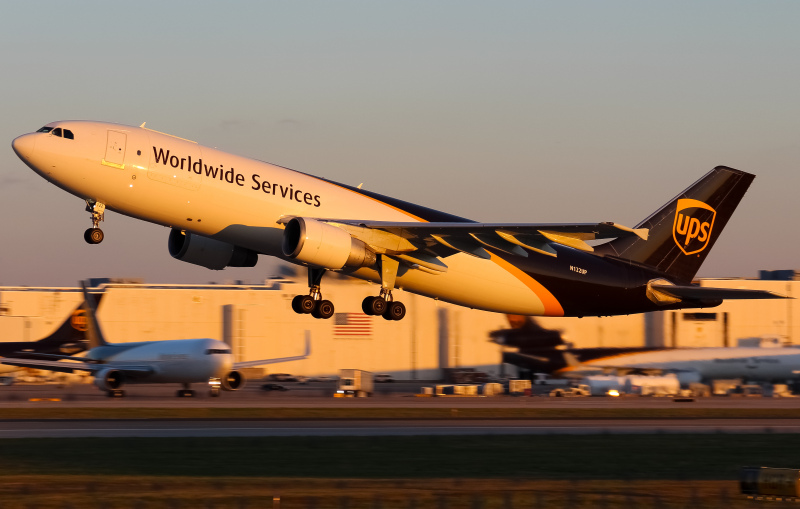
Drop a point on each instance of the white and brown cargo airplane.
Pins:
(224, 210)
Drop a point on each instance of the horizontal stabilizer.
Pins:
(707, 293)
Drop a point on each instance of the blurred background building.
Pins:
(258, 322)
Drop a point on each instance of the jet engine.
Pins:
(323, 245)
(108, 380)
(207, 252)
(232, 381)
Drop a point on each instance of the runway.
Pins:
(248, 428)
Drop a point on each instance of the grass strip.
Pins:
(111, 492)
(637, 457)
(55, 412)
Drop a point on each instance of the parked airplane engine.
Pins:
(232, 381)
(108, 380)
(207, 252)
(323, 245)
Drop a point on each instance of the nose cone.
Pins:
(24, 145)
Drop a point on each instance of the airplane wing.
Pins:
(410, 240)
(77, 365)
(708, 293)
(250, 364)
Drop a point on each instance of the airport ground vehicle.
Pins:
(225, 210)
(274, 387)
(581, 390)
(355, 382)
(282, 377)
(383, 378)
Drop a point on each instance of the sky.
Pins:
(497, 111)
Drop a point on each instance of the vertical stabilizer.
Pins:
(93, 332)
(682, 232)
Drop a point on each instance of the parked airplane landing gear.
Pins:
(186, 392)
(313, 303)
(94, 235)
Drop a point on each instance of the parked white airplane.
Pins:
(776, 365)
(545, 351)
(225, 210)
(175, 361)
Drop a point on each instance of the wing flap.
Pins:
(390, 237)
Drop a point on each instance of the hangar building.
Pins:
(258, 322)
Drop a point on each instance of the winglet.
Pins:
(93, 333)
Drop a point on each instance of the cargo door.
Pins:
(115, 150)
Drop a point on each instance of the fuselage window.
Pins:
(56, 132)
(68, 134)
(45, 129)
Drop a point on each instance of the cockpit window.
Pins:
(45, 129)
(68, 134)
(56, 132)
(212, 351)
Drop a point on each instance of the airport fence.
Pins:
(570, 495)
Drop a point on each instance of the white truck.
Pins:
(354, 383)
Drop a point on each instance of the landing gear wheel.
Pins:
(296, 304)
(215, 392)
(93, 236)
(323, 309)
(366, 305)
(377, 306)
(394, 311)
(307, 304)
(303, 304)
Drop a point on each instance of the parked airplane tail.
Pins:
(72, 331)
(94, 334)
(682, 232)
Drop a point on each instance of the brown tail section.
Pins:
(683, 231)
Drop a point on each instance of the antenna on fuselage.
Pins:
(142, 126)
(93, 332)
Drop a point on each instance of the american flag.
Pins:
(352, 325)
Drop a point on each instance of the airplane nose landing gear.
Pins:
(94, 235)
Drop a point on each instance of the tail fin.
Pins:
(683, 231)
(73, 330)
(93, 332)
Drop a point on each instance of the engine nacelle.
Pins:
(208, 252)
(323, 245)
(108, 380)
(232, 381)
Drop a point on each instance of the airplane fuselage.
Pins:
(239, 201)
(181, 361)
(757, 364)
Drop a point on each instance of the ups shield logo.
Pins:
(694, 221)
(79, 321)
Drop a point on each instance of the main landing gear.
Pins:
(94, 235)
(313, 303)
(383, 305)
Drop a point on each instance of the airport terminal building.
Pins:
(258, 322)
